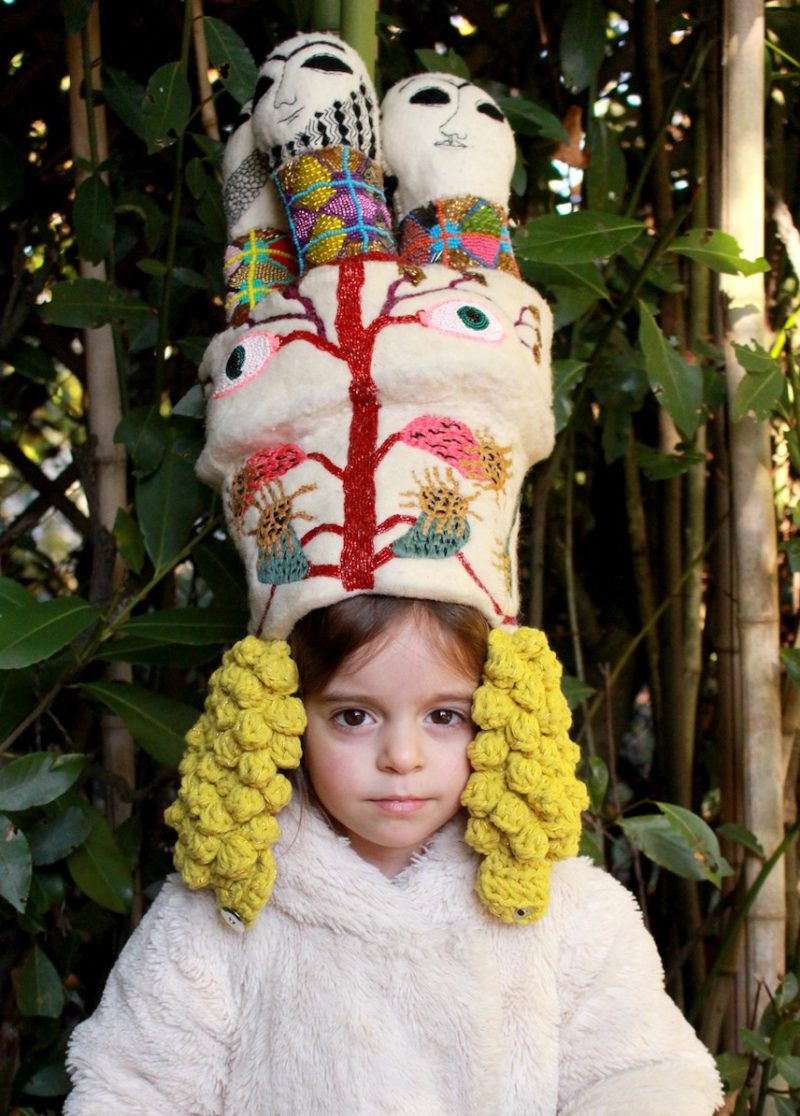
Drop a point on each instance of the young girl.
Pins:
(409, 930)
(376, 981)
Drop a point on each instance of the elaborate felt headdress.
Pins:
(373, 408)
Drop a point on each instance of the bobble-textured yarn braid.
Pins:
(524, 799)
(231, 787)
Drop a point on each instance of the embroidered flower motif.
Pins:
(442, 528)
(281, 558)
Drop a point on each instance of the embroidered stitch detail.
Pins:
(281, 558)
(336, 206)
(261, 261)
(460, 233)
(442, 528)
(479, 458)
(245, 184)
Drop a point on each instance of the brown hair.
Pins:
(325, 638)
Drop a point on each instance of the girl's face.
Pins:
(386, 745)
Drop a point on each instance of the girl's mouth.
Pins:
(400, 805)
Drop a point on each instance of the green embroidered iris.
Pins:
(473, 317)
(233, 369)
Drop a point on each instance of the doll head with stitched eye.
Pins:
(313, 91)
(444, 137)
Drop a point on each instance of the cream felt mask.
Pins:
(369, 426)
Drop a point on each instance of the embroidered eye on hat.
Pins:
(372, 409)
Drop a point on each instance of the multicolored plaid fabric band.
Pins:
(336, 206)
(461, 233)
(263, 260)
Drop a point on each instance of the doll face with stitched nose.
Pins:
(444, 137)
(385, 747)
(298, 82)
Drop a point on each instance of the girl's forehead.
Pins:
(417, 639)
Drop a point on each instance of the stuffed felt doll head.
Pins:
(369, 426)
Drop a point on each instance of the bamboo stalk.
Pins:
(358, 29)
(90, 144)
(208, 110)
(326, 15)
(753, 511)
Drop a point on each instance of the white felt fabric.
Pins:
(446, 393)
(354, 995)
(248, 192)
(314, 91)
(442, 139)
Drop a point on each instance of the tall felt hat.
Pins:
(373, 407)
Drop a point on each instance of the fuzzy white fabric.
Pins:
(443, 138)
(248, 192)
(314, 91)
(355, 995)
(296, 387)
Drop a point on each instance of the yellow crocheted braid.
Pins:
(524, 799)
(230, 784)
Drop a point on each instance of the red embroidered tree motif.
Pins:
(476, 458)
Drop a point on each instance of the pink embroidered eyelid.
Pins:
(443, 316)
(274, 343)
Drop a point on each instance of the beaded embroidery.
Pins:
(461, 233)
(336, 207)
(262, 261)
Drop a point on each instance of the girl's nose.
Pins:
(402, 750)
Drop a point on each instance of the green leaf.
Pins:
(15, 865)
(597, 781)
(606, 173)
(575, 238)
(99, 868)
(146, 435)
(167, 106)
(55, 837)
(167, 504)
(571, 303)
(447, 63)
(567, 375)
(216, 563)
(93, 218)
(12, 595)
(667, 843)
(591, 845)
(12, 173)
(90, 303)
(583, 43)
(661, 466)
(700, 838)
(39, 989)
(790, 657)
(678, 386)
(791, 548)
(129, 541)
(761, 386)
(585, 275)
(126, 97)
(51, 1080)
(37, 631)
(754, 1042)
(788, 991)
(229, 53)
(785, 1107)
(741, 835)
(733, 1069)
(31, 361)
(153, 652)
(717, 250)
(17, 699)
(531, 119)
(574, 690)
(195, 626)
(157, 723)
(38, 778)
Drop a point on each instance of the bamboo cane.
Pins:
(753, 511)
(358, 29)
(208, 111)
(90, 145)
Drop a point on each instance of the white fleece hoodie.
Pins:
(356, 995)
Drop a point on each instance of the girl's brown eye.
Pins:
(353, 718)
(443, 716)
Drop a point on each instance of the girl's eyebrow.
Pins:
(364, 699)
